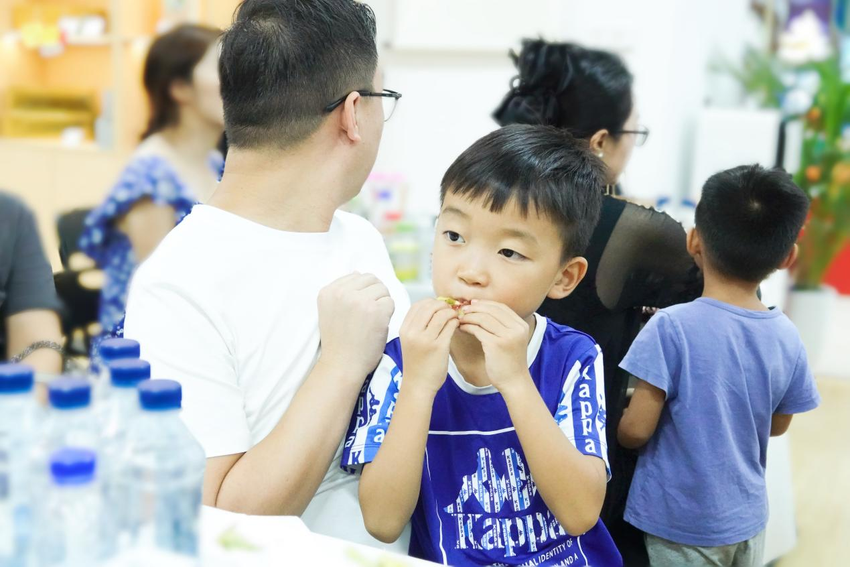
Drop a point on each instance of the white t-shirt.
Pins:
(227, 307)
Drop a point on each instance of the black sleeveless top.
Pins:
(637, 258)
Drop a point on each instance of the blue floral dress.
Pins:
(148, 176)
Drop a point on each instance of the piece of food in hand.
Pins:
(456, 304)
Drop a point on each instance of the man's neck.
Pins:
(732, 291)
(293, 191)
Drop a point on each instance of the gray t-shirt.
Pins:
(26, 279)
(725, 371)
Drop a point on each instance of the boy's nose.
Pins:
(473, 277)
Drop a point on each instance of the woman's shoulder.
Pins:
(648, 225)
(146, 175)
(643, 213)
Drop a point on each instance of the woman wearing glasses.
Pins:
(637, 256)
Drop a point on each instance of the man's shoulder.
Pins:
(12, 208)
(10, 202)
(355, 226)
(188, 253)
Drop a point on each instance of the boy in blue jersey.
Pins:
(718, 377)
(496, 449)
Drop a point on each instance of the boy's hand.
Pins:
(426, 336)
(354, 316)
(504, 337)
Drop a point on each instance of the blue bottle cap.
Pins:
(15, 378)
(158, 395)
(72, 465)
(114, 349)
(69, 393)
(128, 372)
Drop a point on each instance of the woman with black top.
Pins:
(636, 257)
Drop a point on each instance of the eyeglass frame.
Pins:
(643, 131)
(385, 93)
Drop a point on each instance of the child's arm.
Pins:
(571, 483)
(779, 424)
(641, 417)
(800, 396)
(389, 486)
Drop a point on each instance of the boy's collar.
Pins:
(532, 351)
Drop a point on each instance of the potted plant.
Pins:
(824, 174)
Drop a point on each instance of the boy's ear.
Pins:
(348, 117)
(790, 259)
(569, 277)
(694, 245)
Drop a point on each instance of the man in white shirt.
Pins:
(237, 300)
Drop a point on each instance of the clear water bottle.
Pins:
(164, 465)
(108, 351)
(122, 404)
(17, 427)
(68, 515)
(117, 413)
(70, 422)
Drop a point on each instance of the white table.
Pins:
(237, 540)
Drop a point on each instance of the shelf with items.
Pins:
(96, 47)
(61, 71)
(58, 173)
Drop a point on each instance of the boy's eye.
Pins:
(453, 236)
(512, 254)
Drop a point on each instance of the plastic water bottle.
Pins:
(17, 414)
(122, 404)
(118, 411)
(70, 422)
(164, 465)
(108, 351)
(69, 514)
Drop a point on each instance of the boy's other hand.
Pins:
(426, 336)
(354, 317)
(504, 338)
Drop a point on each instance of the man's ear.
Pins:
(568, 278)
(790, 259)
(348, 117)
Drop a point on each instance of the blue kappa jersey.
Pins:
(478, 504)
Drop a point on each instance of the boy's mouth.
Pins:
(456, 303)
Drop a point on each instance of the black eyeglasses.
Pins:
(641, 134)
(389, 100)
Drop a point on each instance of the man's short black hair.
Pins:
(539, 166)
(748, 220)
(283, 61)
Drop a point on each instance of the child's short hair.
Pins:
(534, 165)
(749, 219)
